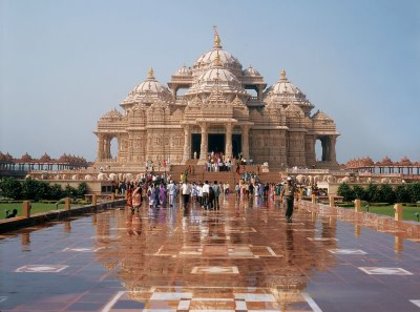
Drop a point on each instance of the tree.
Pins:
(29, 189)
(82, 189)
(56, 192)
(10, 188)
(372, 193)
(413, 190)
(359, 192)
(345, 190)
(401, 194)
(387, 194)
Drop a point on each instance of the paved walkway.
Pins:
(244, 257)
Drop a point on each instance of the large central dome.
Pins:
(206, 60)
(217, 75)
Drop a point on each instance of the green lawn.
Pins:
(36, 208)
(388, 210)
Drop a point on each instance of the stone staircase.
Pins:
(199, 173)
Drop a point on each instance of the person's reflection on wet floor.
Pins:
(134, 224)
(290, 248)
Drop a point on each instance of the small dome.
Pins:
(284, 88)
(102, 176)
(112, 115)
(183, 71)
(283, 92)
(251, 72)
(148, 91)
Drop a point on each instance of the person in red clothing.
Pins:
(137, 197)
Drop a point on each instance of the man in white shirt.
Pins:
(186, 192)
(172, 193)
(206, 190)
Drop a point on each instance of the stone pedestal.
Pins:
(26, 208)
(357, 205)
(398, 212)
(94, 199)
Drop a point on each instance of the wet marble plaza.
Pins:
(243, 257)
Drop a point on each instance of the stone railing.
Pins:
(381, 223)
(26, 219)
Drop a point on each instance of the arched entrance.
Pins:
(114, 148)
(323, 148)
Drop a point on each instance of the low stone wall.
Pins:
(16, 223)
(408, 229)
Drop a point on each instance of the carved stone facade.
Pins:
(216, 113)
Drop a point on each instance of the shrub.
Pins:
(10, 188)
(401, 194)
(346, 191)
(359, 192)
(413, 191)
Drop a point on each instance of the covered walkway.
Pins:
(244, 257)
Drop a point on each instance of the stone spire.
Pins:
(150, 74)
(216, 40)
(283, 75)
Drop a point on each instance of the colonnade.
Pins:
(204, 131)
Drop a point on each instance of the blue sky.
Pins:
(63, 64)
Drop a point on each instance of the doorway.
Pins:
(236, 145)
(216, 143)
(195, 145)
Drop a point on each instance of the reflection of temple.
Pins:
(268, 253)
(216, 106)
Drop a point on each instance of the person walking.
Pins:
(288, 192)
(217, 191)
(206, 191)
(172, 193)
(186, 193)
(137, 197)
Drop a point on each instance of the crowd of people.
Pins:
(162, 191)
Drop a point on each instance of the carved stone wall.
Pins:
(137, 147)
(268, 145)
(296, 148)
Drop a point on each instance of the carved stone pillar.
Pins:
(107, 148)
(332, 153)
(245, 141)
(100, 152)
(260, 92)
(187, 143)
(228, 146)
(204, 143)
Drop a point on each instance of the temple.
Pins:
(216, 106)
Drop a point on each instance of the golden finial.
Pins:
(217, 61)
(216, 39)
(283, 75)
(150, 74)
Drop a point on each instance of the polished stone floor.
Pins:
(244, 257)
